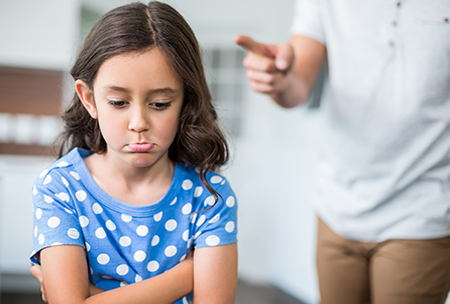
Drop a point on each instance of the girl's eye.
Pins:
(117, 104)
(160, 105)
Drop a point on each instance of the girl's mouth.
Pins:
(140, 147)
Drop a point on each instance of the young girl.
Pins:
(135, 193)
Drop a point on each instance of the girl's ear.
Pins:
(87, 97)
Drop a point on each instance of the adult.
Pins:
(382, 192)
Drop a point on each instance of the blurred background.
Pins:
(273, 150)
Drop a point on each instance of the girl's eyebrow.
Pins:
(153, 91)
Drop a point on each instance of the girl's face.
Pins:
(137, 99)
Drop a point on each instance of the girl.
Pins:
(134, 191)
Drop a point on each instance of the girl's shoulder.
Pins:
(192, 186)
(66, 166)
(191, 177)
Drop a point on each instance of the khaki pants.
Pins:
(391, 272)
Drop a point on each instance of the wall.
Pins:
(38, 33)
(33, 34)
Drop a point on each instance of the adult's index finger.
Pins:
(251, 45)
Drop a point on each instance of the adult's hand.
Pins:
(267, 65)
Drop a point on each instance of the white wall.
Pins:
(38, 33)
(34, 34)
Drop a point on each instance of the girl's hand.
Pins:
(36, 271)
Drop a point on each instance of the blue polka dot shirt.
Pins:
(125, 243)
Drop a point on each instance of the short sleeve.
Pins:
(218, 225)
(308, 20)
(55, 218)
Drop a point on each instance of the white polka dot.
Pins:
(212, 240)
(187, 208)
(81, 195)
(62, 164)
(170, 251)
(68, 211)
(174, 201)
(216, 179)
(53, 222)
(122, 269)
(63, 196)
(125, 241)
(41, 239)
(185, 300)
(103, 259)
(193, 217)
(155, 240)
(41, 175)
(230, 201)
(153, 266)
(97, 208)
(126, 218)
(84, 221)
(38, 213)
(73, 233)
(171, 225)
(122, 284)
(189, 243)
(56, 244)
(186, 235)
(157, 217)
(183, 258)
(47, 180)
(139, 256)
(88, 247)
(110, 225)
(35, 231)
(100, 233)
(187, 184)
(210, 200)
(65, 182)
(201, 220)
(197, 234)
(137, 278)
(215, 218)
(35, 190)
(142, 230)
(198, 191)
(229, 227)
(48, 199)
(75, 175)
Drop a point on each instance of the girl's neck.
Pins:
(129, 184)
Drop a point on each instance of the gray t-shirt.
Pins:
(384, 166)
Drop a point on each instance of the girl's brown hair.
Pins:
(137, 27)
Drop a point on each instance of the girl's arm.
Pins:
(215, 274)
(65, 273)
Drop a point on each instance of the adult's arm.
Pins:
(65, 273)
(285, 72)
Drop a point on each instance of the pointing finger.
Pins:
(256, 47)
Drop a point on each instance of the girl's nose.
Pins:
(139, 122)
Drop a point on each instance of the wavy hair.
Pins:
(137, 27)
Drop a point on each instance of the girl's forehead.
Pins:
(151, 66)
